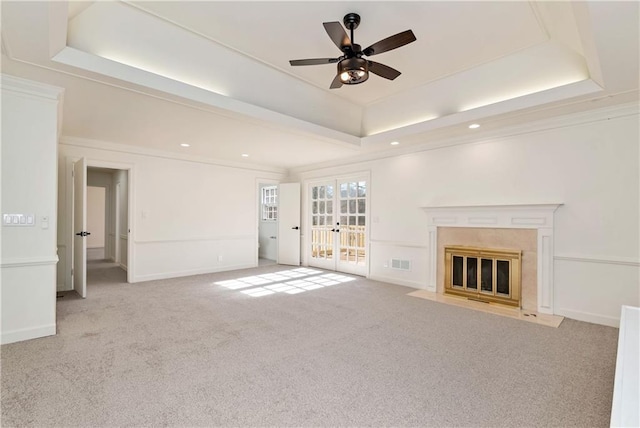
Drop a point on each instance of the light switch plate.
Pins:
(19, 220)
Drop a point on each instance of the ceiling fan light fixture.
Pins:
(353, 71)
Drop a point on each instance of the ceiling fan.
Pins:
(352, 67)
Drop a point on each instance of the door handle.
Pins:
(335, 230)
(295, 228)
(83, 234)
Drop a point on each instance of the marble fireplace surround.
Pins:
(519, 216)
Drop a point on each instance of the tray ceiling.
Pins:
(472, 61)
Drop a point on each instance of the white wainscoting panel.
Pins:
(176, 258)
(380, 269)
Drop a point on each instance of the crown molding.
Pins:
(555, 122)
(143, 151)
(29, 87)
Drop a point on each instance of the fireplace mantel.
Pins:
(513, 216)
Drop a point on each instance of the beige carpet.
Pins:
(320, 351)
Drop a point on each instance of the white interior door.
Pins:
(80, 227)
(289, 224)
(338, 235)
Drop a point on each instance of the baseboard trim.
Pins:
(27, 334)
(589, 317)
(123, 267)
(179, 274)
(397, 281)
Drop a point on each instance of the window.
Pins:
(270, 203)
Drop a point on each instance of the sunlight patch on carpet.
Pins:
(292, 281)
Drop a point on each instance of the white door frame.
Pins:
(306, 225)
(116, 224)
(99, 163)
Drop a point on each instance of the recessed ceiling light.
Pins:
(474, 126)
(395, 143)
(244, 155)
(185, 145)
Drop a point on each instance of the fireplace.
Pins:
(527, 228)
(485, 274)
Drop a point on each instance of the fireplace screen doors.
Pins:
(338, 225)
(484, 274)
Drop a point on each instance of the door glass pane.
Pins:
(361, 206)
(352, 220)
(343, 220)
(361, 220)
(362, 189)
(314, 220)
(502, 277)
(329, 220)
(352, 206)
(329, 207)
(343, 190)
(314, 207)
(329, 192)
(486, 276)
(472, 273)
(321, 218)
(321, 207)
(353, 190)
(343, 206)
(314, 193)
(321, 192)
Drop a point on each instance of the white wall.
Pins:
(591, 167)
(104, 179)
(188, 217)
(29, 150)
(96, 218)
(268, 245)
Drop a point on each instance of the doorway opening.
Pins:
(278, 223)
(100, 224)
(97, 212)
(268, 224)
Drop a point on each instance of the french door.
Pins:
(338, 225)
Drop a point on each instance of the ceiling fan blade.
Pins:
(383, 70)
(390, 43)
(336, 32)
(313, 61)
(337, 83)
